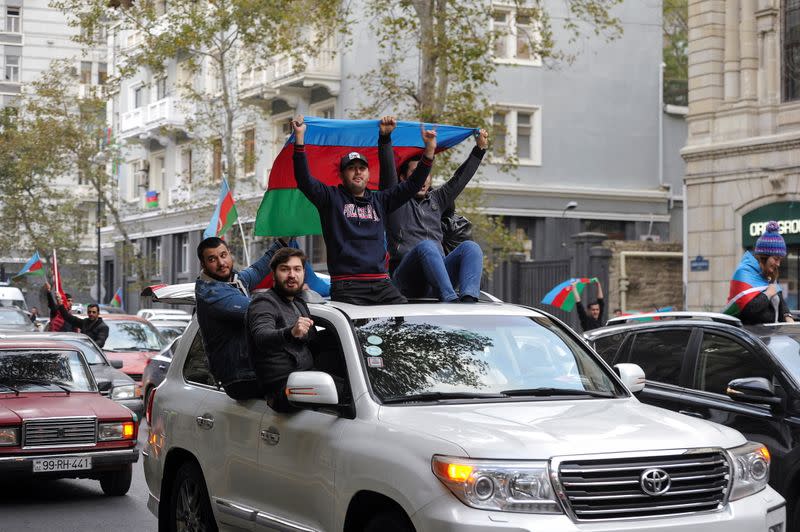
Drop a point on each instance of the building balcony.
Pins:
(285, 73)
(169, 113)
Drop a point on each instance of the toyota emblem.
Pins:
(655, 482)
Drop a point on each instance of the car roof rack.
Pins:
(676, 315)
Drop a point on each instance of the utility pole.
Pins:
(98, 224)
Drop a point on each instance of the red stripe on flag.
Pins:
(225, 210)
(561, 297)
(323, 163)
(737, 287)
(36, 266)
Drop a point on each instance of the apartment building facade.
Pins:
(743, 148)
(592, 132)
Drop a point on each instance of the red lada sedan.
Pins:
(55, 424)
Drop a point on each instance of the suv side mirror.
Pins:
(311, 388)
(115, 363)
(632, 376)
(752, 390)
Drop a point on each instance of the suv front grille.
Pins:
(135, 376)
(614, 488)
(59, 432)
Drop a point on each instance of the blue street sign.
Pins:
(699, 264)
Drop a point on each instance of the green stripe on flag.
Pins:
(287, 212)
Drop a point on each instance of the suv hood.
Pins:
(543, 429)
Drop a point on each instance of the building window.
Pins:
(161, 88)
(216, 160)
(12, 68)
(250, 152)
(86, 72)
(138, 97)
(513, 32)
(154, 256)
(516, 134)
(12, 19)
(102, 73)
(186, 165)
(182, 253)
(791, 50)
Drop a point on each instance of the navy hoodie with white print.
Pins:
(354, 228)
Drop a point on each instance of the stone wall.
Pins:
(653, 282)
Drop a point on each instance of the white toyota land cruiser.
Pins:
(462, 417)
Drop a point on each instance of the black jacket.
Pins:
(275, 353)
(587, 322)
(95, 329)
(760, 310)
(421, 219)
(354, 228)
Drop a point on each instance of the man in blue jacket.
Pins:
(353, 220)
(222, 295)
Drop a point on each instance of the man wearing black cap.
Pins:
(352, 220)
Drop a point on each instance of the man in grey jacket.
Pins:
(279, 328)
(414, 230)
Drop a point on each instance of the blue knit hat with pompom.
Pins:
(771, 242)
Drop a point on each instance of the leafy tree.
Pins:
(218, 38)
(676, 57)
(453, 44)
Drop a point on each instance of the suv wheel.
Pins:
(389, 522)
(190, 509)
(117, 483)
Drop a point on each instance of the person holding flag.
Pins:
(417, 260)
(594, 319)
(353, 220)
(59, 308)
(755, 296)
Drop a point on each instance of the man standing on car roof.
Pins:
(353, 220)
(222, 295)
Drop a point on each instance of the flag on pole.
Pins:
(34, 266)
(284, 210)
(116, 301)
(57, 279)
(225, 214)
(746, 284)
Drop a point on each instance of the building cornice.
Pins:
(767, 143)
(575, 192)
(583, 215)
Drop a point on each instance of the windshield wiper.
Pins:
(41, 382)
(10, 388)
(546, 392)
(437, 396)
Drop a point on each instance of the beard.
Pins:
(285, 291)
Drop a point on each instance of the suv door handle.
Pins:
(206, 421)
(690, 413)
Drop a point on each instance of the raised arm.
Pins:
(447, 193)
(255, 273)
(400, 193)
(317, 192)
(69, 318)
(387, 168)
(265, 334)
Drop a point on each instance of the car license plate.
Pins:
(62, 463)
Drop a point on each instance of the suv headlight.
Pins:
(9, 436)
(750, 469)
(498, 484)
(126, 391)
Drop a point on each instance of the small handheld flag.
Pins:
(116, 301)
(32, 267)
(225, 214)
(562, 296)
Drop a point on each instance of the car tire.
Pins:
(117, 483)
(190, 508)
(389, 522)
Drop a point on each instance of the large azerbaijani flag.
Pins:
(225, 214)
(746, 284)
(284, 210)
(34, 266)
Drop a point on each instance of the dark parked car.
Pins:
(55, 424)
(111, 381)
(715, 369)
(169, 330)
(14, 320)
(156, 370)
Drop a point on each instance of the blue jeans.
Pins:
(425, 272)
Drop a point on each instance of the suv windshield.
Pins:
(44, 371)
(441, 357)
(787, 350)
(13, 317)
(132, 336)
